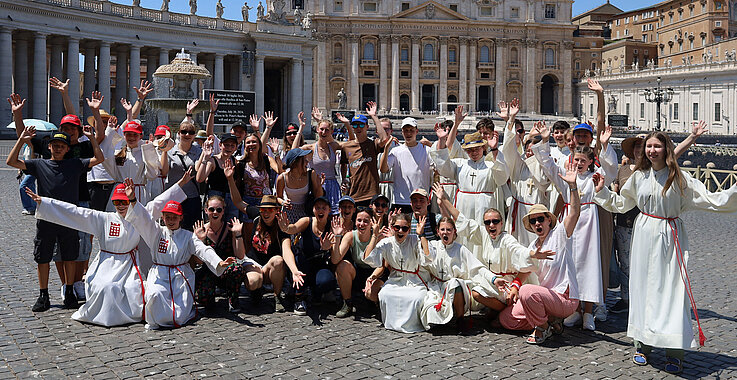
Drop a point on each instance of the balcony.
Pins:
(486, 64)
(429, 63)
(369, 62)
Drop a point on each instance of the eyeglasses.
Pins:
(186, 132)
(489, 222)
(120, 202)
(293, 133)
(381, 204)
(402, 228)
(539, 219)
(215, 209)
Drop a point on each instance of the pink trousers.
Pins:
(536, 304)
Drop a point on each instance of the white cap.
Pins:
(409, 121)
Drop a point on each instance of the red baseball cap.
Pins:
(134, 127)
(119, 193)
(173, 207)
(71, 119)
(161, 130)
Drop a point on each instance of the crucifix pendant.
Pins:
(472, 175)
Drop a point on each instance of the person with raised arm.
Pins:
(213, 173)
(296, 183)
(660, 293)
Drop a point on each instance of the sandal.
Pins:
(534, 339)
(557, 325)
(639, 358)
(673, 365)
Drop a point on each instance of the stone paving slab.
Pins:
(261, 344)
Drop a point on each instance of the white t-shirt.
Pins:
(559, 273)
(411, 170)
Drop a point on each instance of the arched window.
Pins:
(428, 53)
(337, 52)
(514, 56)
(368, 51)
(549, 57)
(484, 54)
(452, 55)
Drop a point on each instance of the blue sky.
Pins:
(233, 7)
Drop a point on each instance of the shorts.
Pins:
(50, 235)
(85, 243)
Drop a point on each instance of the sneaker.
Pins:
(621, 306)
(79, 290)
(28, 212)
(279, 304)
(300, 308)
(70, 300)
(234, 305)
(572, 319)
(42, 304)
(345, 311)
(588, 322)
(600, 313)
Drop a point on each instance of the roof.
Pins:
(606, 8)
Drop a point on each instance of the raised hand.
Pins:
(570, 176)
(301, 118)
(606, 135)
(96, 101)
(273, 144)
(337, 226)
(440, 131)
(87, 131)
(503, 110)
(28, 133)
(513, 108)
(191, 105)
(438, 192)
(269, 119)
(112, 122)
(316, 114)
(542, 130)
(199, 230)
(327, 241)
(696, 129)
(376, 227)
(283, 220)
(130, 188)
(421, 219)
(36, 198)
(459, 115)
(493, 142)
(144, 90)
(214, 103)
(16, 103)
(235, 225)
(186, 177)
(54, 82)
(228, 169)
(342, 118)
(388, 143)
(598, 182)
(126, 105)
(594, 85)
(254, 121)
(371, 108)
(207, 147)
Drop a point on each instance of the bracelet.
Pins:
(493, 279)
(189, 114)
(573, 188)
(516, 283)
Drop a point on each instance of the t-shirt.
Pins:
(58, 179)
(82, 149)
(178, 164)
(263, 247)
(628, 218)
(559, 273)
(363, 165)
(411, 170)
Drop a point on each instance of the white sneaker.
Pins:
(572, 319)
(63, 292)
(601, 313)
(79, 290)
(588, 322)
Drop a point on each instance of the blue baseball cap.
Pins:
(583, 126)
(293, 155)
(359, 119)
(347, 199)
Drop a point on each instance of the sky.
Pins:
(232, 9)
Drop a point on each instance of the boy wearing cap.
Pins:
(58, 178)
(419, 208)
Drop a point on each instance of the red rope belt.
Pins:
(455, 200)
(132, 254)
(565, 209)
(171, 291)
(514, 211)
(682, 269)
(386, 181)
(416, 272)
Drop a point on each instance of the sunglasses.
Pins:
(521, 131)
(186, 132)
(359, 125)
(381, 204)
(402, 228)
(539, 219)
(215, 209)
(293, 133)
(120, 203)
(489, 222)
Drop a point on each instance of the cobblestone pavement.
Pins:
(261, 344)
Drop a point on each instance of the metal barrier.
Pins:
(714, 179)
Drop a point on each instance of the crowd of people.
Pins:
(499, 223)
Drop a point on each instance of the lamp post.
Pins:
(658, 96)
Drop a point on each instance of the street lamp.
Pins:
(658, 96)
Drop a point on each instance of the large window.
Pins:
(514, 56)
(484, 54)
(642, 110)
(549, 57)
(368, 51)
(452, 55)
(337, 52)
(428, 53)
(549, 10)
(695, 112)
(404, 54)
(675, 111)
(717, 112)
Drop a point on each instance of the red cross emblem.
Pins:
(114, 229)
(163, 245)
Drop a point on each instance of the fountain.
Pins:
(182, 71)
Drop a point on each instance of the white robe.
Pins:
(660, 312)
(452, 266)
(560, 157)
(503, 256)
(478, 182)
(115, 281)
(528, 185)
(141, 163)
(585, 244)
(449, 185)
(170, 283)
(402, 295)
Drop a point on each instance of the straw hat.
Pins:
(628, 145)
(269, 201)
(105, 116)
(473, 140)
(538, 209)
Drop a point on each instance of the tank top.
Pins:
(358, 248)
(311, 244)
(297, 196)
(256, 182)
(217, 180)
(326, 166)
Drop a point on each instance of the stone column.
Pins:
(321, 83)
(500, 69)
(443, 91)
(6, 75)
(307, 92)
(73, 70)
(135, 72)
(219, 77)
(121, 81)
(150, 66)
(463, 71)
(56, 69)
(295, 96)
(472, 71)
(21, 67)
(415, 90)
(383, 71)
(354, 101)
(162, 86)
(567, 78)
(89, 76)
(103, 75)
(530, 77)
(259, 85)
(40, 80)
(395, 74)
